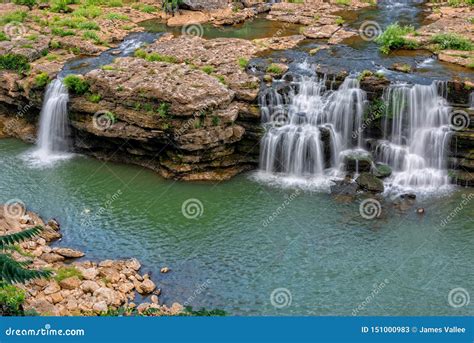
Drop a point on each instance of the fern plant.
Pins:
(12, 271)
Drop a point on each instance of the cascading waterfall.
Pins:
(54, 134)
(416, 129)
(311, 128)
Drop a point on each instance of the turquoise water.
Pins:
(252, 238)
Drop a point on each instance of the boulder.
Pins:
(68, 253)
(369, 182)
(100, 306)
(382, 170)
(70, 283)
(52, 287)
(203, 5)
(89, 286)
(146, 287)
(358, 163)
(52, 257)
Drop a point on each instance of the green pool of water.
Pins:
(251, 29)
(252, 239)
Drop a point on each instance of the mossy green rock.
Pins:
(369, 182)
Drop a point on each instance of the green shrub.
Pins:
(91, 35)
(41, 80)
(60, 6)
(88, 12)
(13, 17)
(243, 62)
(274, 69)
(339, 21)
(62, 33)
(95, 98)
(452, 41)
(163, 110)
(148, 9)
(343, 2)
(3, 36)
(12, 298)
(115, 3)
(18, 63)
(29, 3)
(117, 16)
(76, 84)
(67, 272)
(55, 45)
(208, 69)
(393, 38)
(88, 25)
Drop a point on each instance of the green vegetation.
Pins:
(376, 109)
(12, 271)
(216, 120)
(14, 62)
(243, 63)
(339, 21)
(274, 69)
(154, 57)
(12, 299)
(89, 12)
(145, 8)
(62, 33)
(41, 80)
(58, 6)
(91, 35)
(117, 16)
(343, 2)
(393, 38)
(3, 36)
(208, 69)
(13, 17)
(460, 3)
(76, 84)
(364, 74)
(163, 109)
(95, 98)
(452, 41)
(67, 272)
(29, 3)
(171, 6)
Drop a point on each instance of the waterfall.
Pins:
(309, 127)
(53, 135)
(416, 129)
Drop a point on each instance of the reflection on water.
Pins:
(252, 239)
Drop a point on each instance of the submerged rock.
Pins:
(382, 170)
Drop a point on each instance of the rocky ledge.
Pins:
(77, 287)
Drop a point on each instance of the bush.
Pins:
(18, 63)
(41, 80)
(76, 84)
(208, 69)
(95, 98)
(62, 33)
(91, 35)
(3, 36)
(163, 109)
(117, 16)
(29, 3)
(274, 69)
(243, 62)
(452, 41)
(60, 6)
(11, 300)
(13, 17)
(88, 12)
(393, 38)
(88, 25)
(67, 272)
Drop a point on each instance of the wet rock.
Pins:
(165, 270)
(321, 32)
(402, 67)
(369, 182)
(344, 187)
(410, 196)
(154, 299)
(357, 163)
(52, 257)
(382, 170)
(146, 287)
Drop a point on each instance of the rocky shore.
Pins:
(77, 288)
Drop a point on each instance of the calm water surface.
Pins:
(254, 238)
